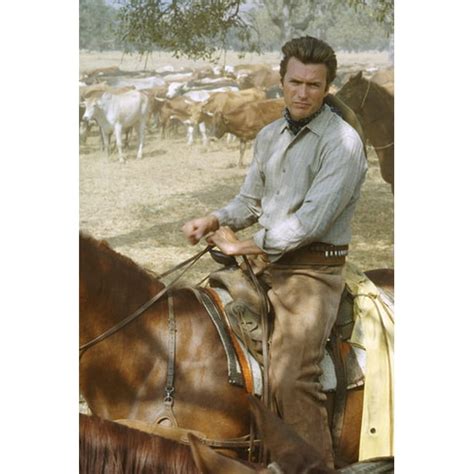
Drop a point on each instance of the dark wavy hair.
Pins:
(309, 50)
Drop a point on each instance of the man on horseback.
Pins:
(302, 187)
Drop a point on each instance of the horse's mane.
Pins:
(101, 247)
(105, 446)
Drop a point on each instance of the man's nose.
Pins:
(302, 90)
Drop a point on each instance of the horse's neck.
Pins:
(377, 116)
(379, 132)
(381, 98)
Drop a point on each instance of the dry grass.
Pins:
(92, 60)
(140, 206)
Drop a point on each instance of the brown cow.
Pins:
(226, 101)
(263, 78)
(246, 120)
(186, 111)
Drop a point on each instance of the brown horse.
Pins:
(373, 105)
(105, 446)
(124, 376)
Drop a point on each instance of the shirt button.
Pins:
(284, 170)
(278, 192)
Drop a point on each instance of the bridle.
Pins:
(362, 104)
(359, 109)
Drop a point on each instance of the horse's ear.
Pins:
(358, 76)
(210, 462)
(287, 448)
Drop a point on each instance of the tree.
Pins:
(297, 17)
(292, 17)
(342, 26)
(381, 10)
(355, 31)
(96, 25)
(200, 28)
(195, 28)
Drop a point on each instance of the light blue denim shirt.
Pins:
(301, 189)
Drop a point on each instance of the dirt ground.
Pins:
(140, 206)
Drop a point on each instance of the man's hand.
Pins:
(229, 243)
(225, 239)
(195, 229)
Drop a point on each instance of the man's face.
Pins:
(304, 88)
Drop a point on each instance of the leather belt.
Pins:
(317, 253)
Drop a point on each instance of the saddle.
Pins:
(239, 301)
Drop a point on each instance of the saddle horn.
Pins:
(223, 259)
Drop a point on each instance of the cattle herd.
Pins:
(211, 101)
(239, 100)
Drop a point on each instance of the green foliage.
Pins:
(202, 28)
(380, 10)
(352, 28)
(97, 23)
(194, 28)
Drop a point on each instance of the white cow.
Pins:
(117, 113)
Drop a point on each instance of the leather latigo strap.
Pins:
(317, 253)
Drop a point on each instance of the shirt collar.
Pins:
(317, 125)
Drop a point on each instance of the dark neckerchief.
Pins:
(296, 125)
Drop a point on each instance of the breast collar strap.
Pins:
(165, 413)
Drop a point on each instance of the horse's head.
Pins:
(354, 92)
